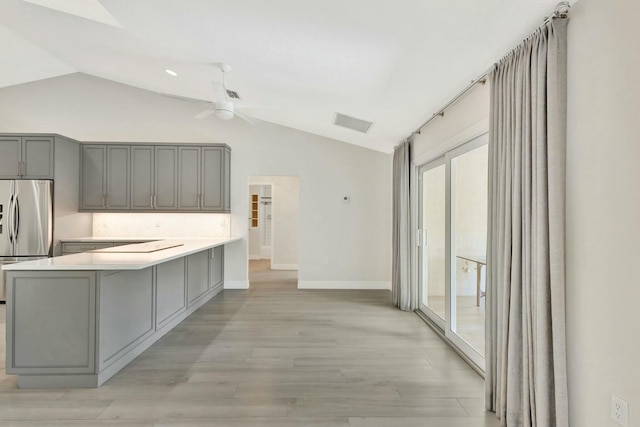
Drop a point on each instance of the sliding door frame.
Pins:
(448, 153)
(421, 240)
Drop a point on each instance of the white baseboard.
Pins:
(343, 285)
(284, 266)
(255, 257)
(236, 284)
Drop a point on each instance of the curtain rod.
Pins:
(561, 11)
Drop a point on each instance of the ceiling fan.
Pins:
(222, 105)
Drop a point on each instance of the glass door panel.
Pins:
(469, 237)
(432, 236)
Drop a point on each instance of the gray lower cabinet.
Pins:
(105, 177)
(126, 315)
(216, 267)
(197, 276)
(26, 157)
(171, 295)
(79, 328)
(51, 326)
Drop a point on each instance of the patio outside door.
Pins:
(452, 236)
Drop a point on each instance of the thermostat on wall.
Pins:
(346, 199)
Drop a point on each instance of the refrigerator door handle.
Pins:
(17, 218)
(10, 221)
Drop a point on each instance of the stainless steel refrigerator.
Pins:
(26, 222)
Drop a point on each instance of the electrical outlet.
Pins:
(325, 261)
(619, 411)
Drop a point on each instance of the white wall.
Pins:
(355, 239)
(603, 210)
(285, 196)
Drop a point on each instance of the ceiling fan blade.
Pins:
(206, 113)
(185, 98)
(246, 117)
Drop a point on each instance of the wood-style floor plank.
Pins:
(274, 356)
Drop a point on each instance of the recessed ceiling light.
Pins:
(171, 72)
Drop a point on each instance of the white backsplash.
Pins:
(161, 225)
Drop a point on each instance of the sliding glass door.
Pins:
(452, 238)
(432, 240)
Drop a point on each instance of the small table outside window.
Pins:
(480, 260)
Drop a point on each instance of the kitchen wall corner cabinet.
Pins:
(26, 157)
(165, 178)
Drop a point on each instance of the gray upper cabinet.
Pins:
(117, 189)
(26, 157)
(170, 178)
(202, 178)
(226, 185)
(92, 181)
(190, 197)
(142, 177)
(213, 178)
(105, 177)
(166, 178)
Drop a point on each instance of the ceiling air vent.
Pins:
(233, 94)
(352, 123)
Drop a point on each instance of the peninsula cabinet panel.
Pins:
(126, 313)
(51, 323)
(216, 267)
(142, 177)
(197, 276)
(171, 296)
(26, 157)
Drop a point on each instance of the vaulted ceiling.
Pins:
(393, 63)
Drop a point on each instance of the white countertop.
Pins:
(118, 260)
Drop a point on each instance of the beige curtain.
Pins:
(404, 297)
(526, 379)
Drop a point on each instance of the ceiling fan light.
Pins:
(224, 110)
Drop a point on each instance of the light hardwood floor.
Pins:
(275, 356)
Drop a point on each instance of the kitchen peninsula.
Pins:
(76, 320)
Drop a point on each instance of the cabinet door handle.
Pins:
(155, 201)
(199, 200)
(106, 198)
